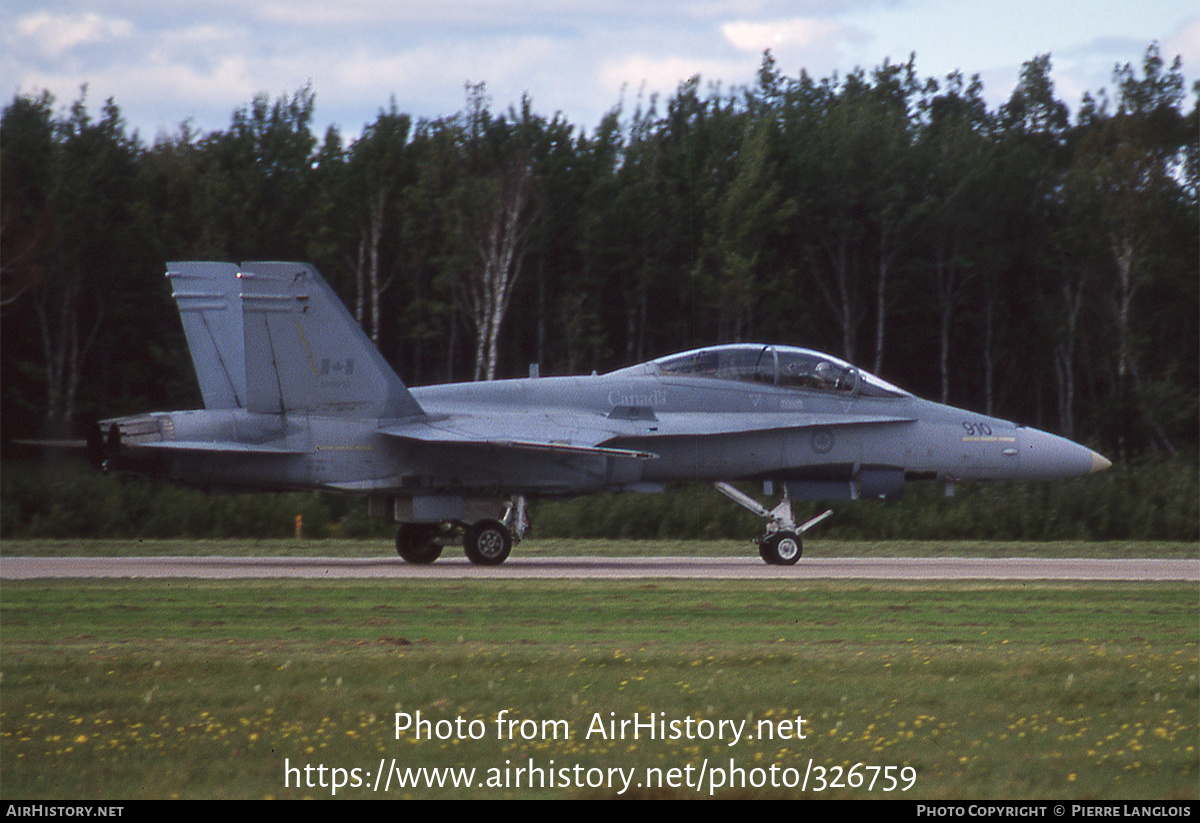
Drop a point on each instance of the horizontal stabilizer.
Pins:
(54, 444)
(217, 447)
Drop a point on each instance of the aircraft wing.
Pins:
(525, 432)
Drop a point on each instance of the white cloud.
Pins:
(800, 32)
(635, 73)
(478, 15)
(1185, 42)
(164, 63)
(56, 34)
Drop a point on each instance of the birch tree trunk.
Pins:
(498, 246)
(375, 233)
(64, 345)
(1064, 357)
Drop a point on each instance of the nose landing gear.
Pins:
(780, 544)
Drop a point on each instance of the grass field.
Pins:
(165, 688)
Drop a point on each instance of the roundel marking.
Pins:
(822, 441)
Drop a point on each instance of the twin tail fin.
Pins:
(272, 337)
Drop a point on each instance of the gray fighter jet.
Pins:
(297, 397)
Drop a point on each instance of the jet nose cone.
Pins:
(1046, 456)
(1100, 462)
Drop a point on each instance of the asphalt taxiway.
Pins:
(615, 568)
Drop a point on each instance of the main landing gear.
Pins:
(486, 542)
(420, 543)
(780, 544)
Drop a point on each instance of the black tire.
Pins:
(781, 549)
(487, 543)
(415, 544)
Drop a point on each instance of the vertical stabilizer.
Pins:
(304, 352)
(207, 295)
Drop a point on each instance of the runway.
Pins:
(610, 568)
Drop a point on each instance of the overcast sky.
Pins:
(165, 63)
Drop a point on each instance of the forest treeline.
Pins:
(1021, 260)
(1146, 500)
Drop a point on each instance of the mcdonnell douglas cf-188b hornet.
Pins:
(297, 397)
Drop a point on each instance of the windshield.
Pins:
(783, 366)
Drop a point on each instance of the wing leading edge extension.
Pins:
(522, 432)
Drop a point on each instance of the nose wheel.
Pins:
(781, 548)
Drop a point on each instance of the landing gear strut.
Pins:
(780, 544)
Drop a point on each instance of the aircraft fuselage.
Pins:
(297, 397)
(693, 428)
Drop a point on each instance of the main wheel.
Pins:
(487, 543)
(415, 544)
(781, 548)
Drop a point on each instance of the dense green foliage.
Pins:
(1154, 501)
(1158, 501)
(1018, 261)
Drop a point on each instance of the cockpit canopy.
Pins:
(782, 366)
